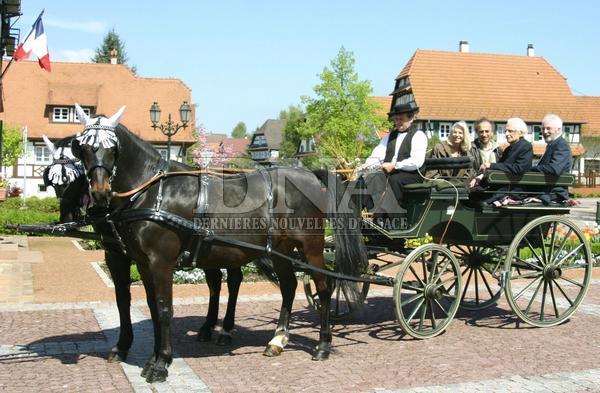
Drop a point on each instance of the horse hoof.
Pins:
(147, 368)
(272, 351)
(204, 336)
(116, 356)
(320, 354)
(157, 375)
(223, 340)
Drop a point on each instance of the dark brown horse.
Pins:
(248, 217)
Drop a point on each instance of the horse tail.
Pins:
(350, 252)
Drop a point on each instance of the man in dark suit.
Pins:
(557, 159)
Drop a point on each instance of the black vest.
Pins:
(405, 146)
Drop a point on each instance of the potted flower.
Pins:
(3, 189)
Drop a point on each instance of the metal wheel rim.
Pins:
(434, 292)
(484, 278)
(547, 288)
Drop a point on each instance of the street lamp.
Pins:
(170, 128)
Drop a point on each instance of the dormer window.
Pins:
(67, 114)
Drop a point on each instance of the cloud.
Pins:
(74, 56)
(88, 27)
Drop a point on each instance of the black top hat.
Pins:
(408, 107)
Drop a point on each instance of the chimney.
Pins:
(463, 47)
(113, 56)
(530, 51)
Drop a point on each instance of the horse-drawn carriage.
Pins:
(534, 254)
(154, 211)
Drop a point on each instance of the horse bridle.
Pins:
(105, 136)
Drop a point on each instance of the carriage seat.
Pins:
(529, 179)
(446, 188)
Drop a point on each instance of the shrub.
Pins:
(27, 211)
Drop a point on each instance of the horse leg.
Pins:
(323, 349)
(213, 280)
(119, 267)
(163, 285)
(287, 286)
(234, 280)
(151, 301)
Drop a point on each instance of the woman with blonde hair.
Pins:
(458, 144)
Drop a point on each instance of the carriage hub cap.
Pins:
(552, 272)
(432, 292)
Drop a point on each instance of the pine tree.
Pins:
(111, 41)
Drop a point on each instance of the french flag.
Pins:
(35, 43)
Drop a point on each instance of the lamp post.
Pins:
(170, 128)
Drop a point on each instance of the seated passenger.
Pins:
(485, 148)
(516, 160)
(395, 161)
(556, 160)
(457, 145)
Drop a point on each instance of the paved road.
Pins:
(54, 343)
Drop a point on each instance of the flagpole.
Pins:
(12, 59)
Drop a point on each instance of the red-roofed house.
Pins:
(44, 103)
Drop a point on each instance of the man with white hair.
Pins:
(516, 160)
(557, 159)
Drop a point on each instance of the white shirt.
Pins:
(412, 163)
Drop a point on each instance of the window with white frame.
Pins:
(67, 114)
(444, 131)
(500, 135)
(42, 154)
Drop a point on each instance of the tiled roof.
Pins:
(456, 85)
(238, 145)
(28, 90)
(591, 108)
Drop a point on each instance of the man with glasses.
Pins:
(556, 160)
(396, 160)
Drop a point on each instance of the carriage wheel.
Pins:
(548, 267)
(480, 270)
(427, 290)
(340, 305)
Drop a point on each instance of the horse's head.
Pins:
(65, 168)
(97, 147)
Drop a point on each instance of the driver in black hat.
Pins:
(396, 160)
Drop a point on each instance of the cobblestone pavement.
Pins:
(50, 342)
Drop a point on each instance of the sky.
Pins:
(248, 60)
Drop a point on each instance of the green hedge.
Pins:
(27, 211)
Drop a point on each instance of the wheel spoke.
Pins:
(441, 284)
(564, 241)
(533, 265)
(467, 284)
(543, 300)
(569, 255)
(433, 323)
(533, 297)
(424, 264)
(442, 270)
(423, 313)
(553, 298)
(437, 302)
(552, 240)
(417, 308)
(487, 285)
(533, 251)
(563, 292)
(476, 287)
(544, 255)
(411, 299)
(526, 288)
(571, 281)
(412, 270)
(578, 266)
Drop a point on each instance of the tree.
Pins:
(204, 155)
(239, 131)
(111, 41)
(291, 132)
(342, 119)
(12, 145)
